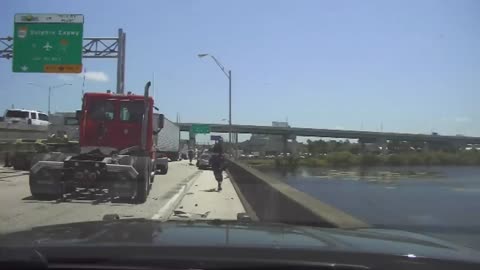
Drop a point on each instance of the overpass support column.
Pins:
(285, 145)
(236, 146)
(191, 140)
(293, 147)
(459, 146)
(382, 143)
(426, 147)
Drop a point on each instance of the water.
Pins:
(440, 201)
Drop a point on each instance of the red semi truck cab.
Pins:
(117, 152)
(114, 122)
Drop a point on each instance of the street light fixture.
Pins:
(50, 91)
(229, 76)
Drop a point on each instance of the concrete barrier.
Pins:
(22, 126)
(11, 132)
(274, 201)
(9, 136)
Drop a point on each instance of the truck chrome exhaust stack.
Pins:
(145, 118)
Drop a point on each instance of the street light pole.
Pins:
(50, 91)
(229, 76)
(230, 107)
(49, 96)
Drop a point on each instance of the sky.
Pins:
(400, 66)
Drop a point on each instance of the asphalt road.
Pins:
(18, 210)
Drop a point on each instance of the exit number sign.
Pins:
(51, 43)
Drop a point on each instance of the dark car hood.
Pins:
(139, 232)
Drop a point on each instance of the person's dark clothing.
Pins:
(218, 165)
(217, 162)
(190, 155)
(218, 148)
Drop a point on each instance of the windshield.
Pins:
(132, 111)
(16, 114)
(43, 116)
(339, 114)
(101, 110)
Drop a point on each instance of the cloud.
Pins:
(463, 119)
(97, 76)
(339, 127)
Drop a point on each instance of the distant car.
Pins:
(161, 163)
(204, 161)
(14, 116)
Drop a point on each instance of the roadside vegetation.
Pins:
(334, 153)
(347, 159)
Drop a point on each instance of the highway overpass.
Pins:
(334, 133)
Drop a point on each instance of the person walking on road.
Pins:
(217, 161)
(190, 155)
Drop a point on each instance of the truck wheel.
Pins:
(163, 170)
(69, 188)
(55, 190)
(142, 188)
(44, 196)
(19, 163)
(15, 164)
(144, 168)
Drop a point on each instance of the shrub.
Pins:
(370, 160)
(396, 160)
(343, 158)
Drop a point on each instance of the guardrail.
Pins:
(272, 200)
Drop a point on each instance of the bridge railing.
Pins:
(271, 200)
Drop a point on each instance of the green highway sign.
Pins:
(51, 43)
(200, 128)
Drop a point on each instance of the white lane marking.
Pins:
(390, 187)
(163, 211)
(168, 207)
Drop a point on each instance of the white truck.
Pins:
(168, 145)
(30, 117)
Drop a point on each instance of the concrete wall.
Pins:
(272, 200)
(10, 132)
